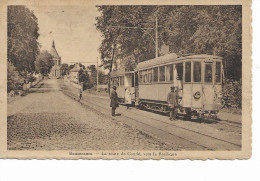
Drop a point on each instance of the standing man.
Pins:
(172, 100)
(80, 93)
(114, 100)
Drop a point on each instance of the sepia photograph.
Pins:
(112, 81)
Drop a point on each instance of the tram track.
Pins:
(179, 127)
(189, 131)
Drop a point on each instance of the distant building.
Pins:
(74, 73)
(56, 69)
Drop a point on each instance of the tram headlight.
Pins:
(197, 95)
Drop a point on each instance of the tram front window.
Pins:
(197, 72)
(187, 72)
(218, 72)
(208, 73)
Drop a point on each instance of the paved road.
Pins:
(46, 119)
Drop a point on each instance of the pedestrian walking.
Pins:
(113, 100)
(128, 100)
(80, 94)
(172, 100)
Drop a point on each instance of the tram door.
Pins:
(208, 87)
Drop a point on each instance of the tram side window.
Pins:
(187, 71)
(145, 76)
(208, 72)
(197, 72)
(121, 80)
(155, 74)
(162, 73)
(179, 67)
(218, 72)
(140, 77)
(149, 75)
(169, 72)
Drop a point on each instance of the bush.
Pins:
(232, 94)
(14, 80)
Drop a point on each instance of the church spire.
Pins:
(53, 44)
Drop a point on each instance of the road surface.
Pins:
(46, 119)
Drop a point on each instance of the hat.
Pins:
(172, 87)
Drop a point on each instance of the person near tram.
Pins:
(113, 100)
(172, 100)
(128, 100)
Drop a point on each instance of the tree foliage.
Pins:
(22, 38)
(65, 69)
(14, 80)
(44, 63)
(213, 30)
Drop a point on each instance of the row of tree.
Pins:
(129, 33)
(24, 56)
(22, 44)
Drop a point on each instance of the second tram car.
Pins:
(123, 80)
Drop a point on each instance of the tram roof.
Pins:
(172, 57)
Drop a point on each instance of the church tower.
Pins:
(56, 69)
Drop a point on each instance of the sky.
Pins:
(73, 30)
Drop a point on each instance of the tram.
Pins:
(197, 78)
(122, 80)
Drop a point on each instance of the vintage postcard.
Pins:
(125, 79)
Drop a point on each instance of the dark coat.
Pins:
(114, 99)
(172, 99)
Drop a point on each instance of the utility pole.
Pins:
(156, 36)
(97, 75)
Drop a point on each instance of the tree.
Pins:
(22, 35)
(93, 77)
(65, 69)
(193, 29)
(44, 63)
(84, 79)
(14, 80)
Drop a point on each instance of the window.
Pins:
(179, 67)
(162, 73)
(155, 74)
(149, 75)
(145, 76)
(116, 81)
(197, 72)
(169, 72)
(218, 72)
(187, 71)
(140, 77)
(208, 72)
(133, 81)
(122, 80)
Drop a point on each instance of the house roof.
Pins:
(76, 68)
(172, 57)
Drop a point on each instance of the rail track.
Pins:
(204, 141)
